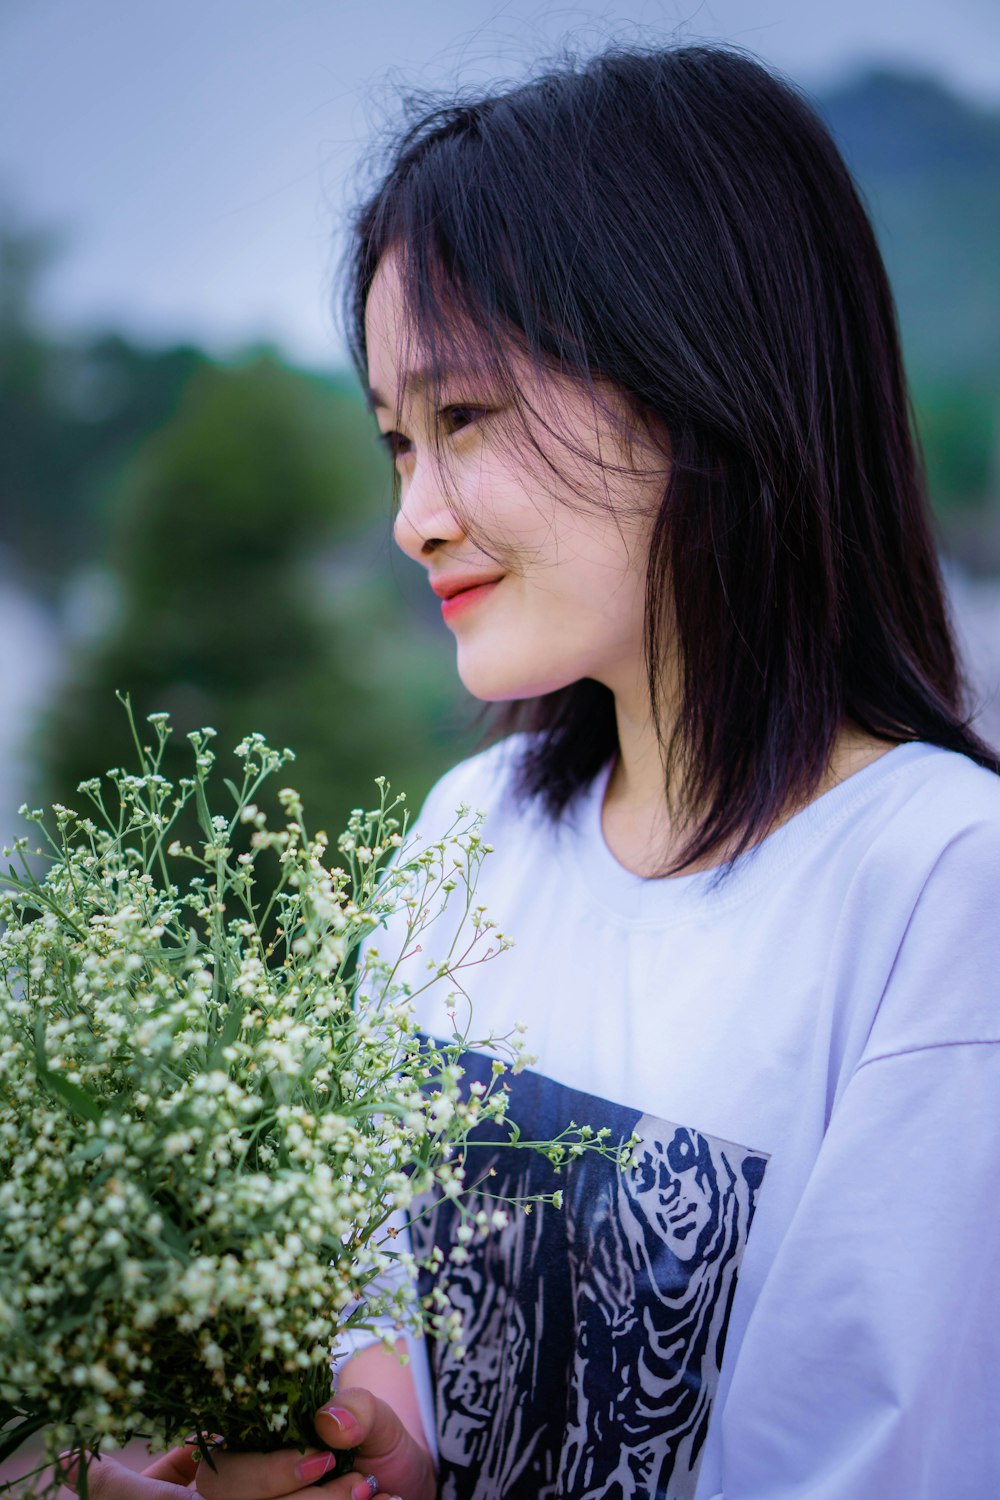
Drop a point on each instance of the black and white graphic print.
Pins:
(594, 1332)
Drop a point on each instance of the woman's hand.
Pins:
(355, 1418)
(172, 1476)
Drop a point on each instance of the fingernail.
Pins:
(315, 1467)
(344, 1419)
(362, 1491)
(68, 1465)
(202, 1445)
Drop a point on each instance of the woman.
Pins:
(629, 339)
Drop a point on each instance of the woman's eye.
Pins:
(457, 417)
(453, 419)
(395, 442)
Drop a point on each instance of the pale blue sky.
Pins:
(199, 152)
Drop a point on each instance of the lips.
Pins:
(447, 588)
(466, 599)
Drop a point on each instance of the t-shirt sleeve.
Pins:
(438, 812)
(466, 785)
(870, 1367)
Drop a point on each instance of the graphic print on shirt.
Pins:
(594, 1332)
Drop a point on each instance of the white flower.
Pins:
(204, 1199)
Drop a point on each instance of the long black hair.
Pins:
(677, 226)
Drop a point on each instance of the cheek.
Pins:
(604, 577)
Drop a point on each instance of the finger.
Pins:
(307, 1492)
(356, 1418)
(384, 1448)
(339, 1489)
(355, 1486)
(179, 1466)
(107, 1479)
(262, 1476)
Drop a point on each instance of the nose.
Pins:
(425, 519)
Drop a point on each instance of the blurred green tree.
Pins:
(244, 539)
(71, 415)
(959, 425)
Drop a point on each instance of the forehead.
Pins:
(386, 325)
(407, 372)
(403, 366)
(399, 363)
(386, 318)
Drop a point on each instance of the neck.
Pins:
(635, 816)
(636, 819)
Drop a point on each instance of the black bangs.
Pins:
(674, 230)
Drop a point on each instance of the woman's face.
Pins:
(570, 600)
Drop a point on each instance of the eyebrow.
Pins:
(418, 380)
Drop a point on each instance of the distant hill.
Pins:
(928, 163)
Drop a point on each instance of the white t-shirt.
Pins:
(796, 1291)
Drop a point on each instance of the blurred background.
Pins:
(192, 506)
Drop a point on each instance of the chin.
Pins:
(505, 685)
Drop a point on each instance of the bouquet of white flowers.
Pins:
(205, 1123)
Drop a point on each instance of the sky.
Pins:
(198, 157)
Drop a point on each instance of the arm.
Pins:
(870, 1366)
(360, 1359)
(377, 1370)
(870, 1369)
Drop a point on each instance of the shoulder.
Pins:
(479, 783)
(937, 862)
(927, 840)
(942, 814)
(474, 785)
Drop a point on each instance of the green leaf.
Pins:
(78, 1100)
(82, 1104)
(237, 796)
(12, 1440)
(171, 1235)
(11, 1412)
(231, 1028)
(93, 1149)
